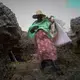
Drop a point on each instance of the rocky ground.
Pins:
(26, 67)
(68, 62)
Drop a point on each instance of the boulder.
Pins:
(10, 34)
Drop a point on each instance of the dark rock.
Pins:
(75, 28)
(10, 34)
(26, 46)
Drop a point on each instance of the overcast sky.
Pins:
(24, 9)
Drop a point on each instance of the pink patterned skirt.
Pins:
(45, 48)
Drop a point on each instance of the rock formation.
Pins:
(12, 39)
(10, 34)
(75, 29)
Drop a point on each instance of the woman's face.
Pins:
(40, 17)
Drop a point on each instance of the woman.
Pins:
(46, 51)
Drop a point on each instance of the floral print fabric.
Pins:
(45, 46)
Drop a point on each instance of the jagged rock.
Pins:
(12, 38)
(75, 26)
(26, 45)
(10, 34)
(9, 28)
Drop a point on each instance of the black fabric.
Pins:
(46, 63)
(49, 62)
(33, 29)
(53, 64)
(56, 65)
(38, 16)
